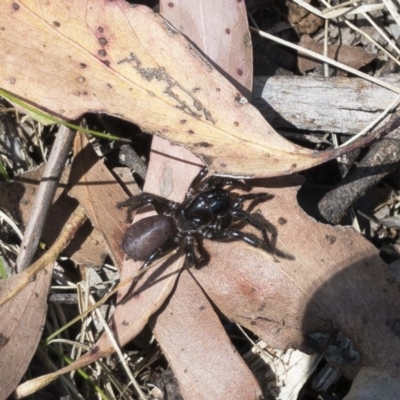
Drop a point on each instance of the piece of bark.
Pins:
(340, 105)
(383, 158)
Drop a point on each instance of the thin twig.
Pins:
(44, 197)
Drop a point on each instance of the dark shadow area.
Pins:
(353, 317)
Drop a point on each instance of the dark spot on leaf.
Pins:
(261, 307)
(109, 85)
(82, 65)
(3, 340)
(202, 144)
(100, 29)
(228, 31)
(330, 239)
(236, 123)
(151, 94)
(164, 130)
(11, 81)
(198, 105)
(293, 166)
(103, 41)
(282, 221)
(125, 323)
(223, 165)
(218, 89)
(81, 79)
(15, 6)
(171, 4)
(95, 350)
(202, 308)
(191, 131)
(56, 24)
(32, 278)
(183, 121)
(106, 63)
(240, 72)
(102, 53)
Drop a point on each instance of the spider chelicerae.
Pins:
(209, 211)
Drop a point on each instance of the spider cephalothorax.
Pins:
(209, 211)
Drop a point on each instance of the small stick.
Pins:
(44, 197)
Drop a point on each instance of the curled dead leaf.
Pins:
(121, 60)
(352, 56)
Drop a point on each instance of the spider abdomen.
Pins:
(146, 235)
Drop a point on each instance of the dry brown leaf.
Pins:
(352, 56)
(200, 352)
(125, 60)
(98, 193)
(22, 321)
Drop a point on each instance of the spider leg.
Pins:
(159, 252)
(243, 215)
(191, 245)
(190, 256)
(251, 196)
(144, 199)
(238, 235)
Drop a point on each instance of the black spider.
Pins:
(208, 211)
